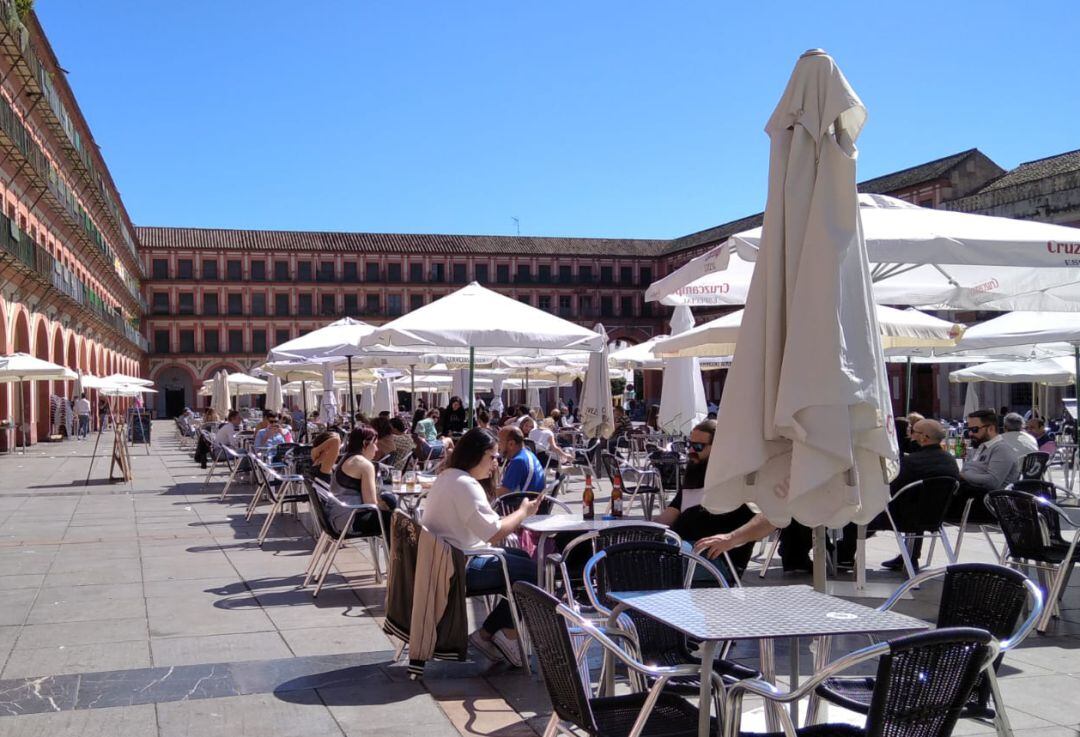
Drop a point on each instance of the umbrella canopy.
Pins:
(24, 367)
(127, 379)
(340, 338)
(275, 401)
(682, 396)
(1059, 371)
(595, 410)
(808, 421)
(900, 329)
(973, 249)
(1022, 328)
(475, 317)
(643, 356)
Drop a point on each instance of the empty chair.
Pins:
(1033, 465)
(570, 562)
(645, 486)
(921, 685)
(279, 488)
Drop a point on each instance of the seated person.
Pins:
(326, 446)
(458, 511)
(403, 442)
(544, 439)
(385, 442)
(353, 481)
(427, 431)
(265, 420)
(523, 471)
(928, 460)
(483, 421)
(271, 435)
(226, 434)
(1044, 439)
(453, 419)
(992, 464)
(688, 519)
(1014, 436)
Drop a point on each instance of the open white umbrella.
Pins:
(595, 410)
(806, 430)
(275, 401)
(20, 367)
(127, 379)
(682, 395)
(1047, 371)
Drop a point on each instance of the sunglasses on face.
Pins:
(698, 447)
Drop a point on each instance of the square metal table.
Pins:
(765, 614)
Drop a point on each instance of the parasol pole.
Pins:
(412, 387)
(352, 399)
(907, 389)
(526, 402)
(303, 398)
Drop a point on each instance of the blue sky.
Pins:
(598, 118)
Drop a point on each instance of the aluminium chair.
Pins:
(330, 541)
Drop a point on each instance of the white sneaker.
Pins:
(486, 646)
(509, 648)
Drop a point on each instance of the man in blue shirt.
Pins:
(523, 471)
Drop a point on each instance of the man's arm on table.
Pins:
(754, 530)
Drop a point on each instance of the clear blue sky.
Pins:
(618, 118)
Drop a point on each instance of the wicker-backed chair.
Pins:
(922, 683)
(571, 561)
(980, 595)
(655, 566)
(1033, 465)
(561, 638)
(1032, 529)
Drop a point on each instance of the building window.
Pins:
(502, 273)
(416, 301)
(626, 306)
(607, 306)
(480, 273)
(303, 305)
(281, 271)
(187, 341)
(350, 274)
(160, 268)
(416, 271)
(438, 273)
(281, 304)
(303, 271)
(186, 303)
(161, 303)
(211, 340)
(461, 274)
(645, 275)
(236, 341)
(585, 308)
(209, 303)
(326, 305)
(927, 203)
(352, 305)
(161, 341)
(209, 270)
(326, 271)
(371, 271)
(393, 304)
(564, 306)
(544, 302)
(258, 271)
(281, 335)
(584, 274)
(525, 299)
(524, 274)
(393, 272)
(236, 304)
(185, 269)
(606, 275)
(234, 270)
(372, 305)
(626, 275)
(545, 274)
(258, 341)
(258, 304)
(566, 274)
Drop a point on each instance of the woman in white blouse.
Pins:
(458, 511)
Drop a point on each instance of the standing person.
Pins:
(103, 413)
(82, 411)
(652, 421)
(457, 510)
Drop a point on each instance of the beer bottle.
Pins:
(616, 496)
(588, 500)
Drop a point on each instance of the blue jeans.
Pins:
(484, 573)
(84, 426)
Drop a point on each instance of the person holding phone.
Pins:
(458, 510)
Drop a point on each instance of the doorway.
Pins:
(174, 402)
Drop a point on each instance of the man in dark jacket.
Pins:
(927, 460)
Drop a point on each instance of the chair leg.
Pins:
(328, 562)
(229, 481)
(950, 555)
(521, 641)
(905, 554)
(375, 559)
(1052, 595)
(552, 727)
(275, 508)
(255, 499)
(316, 556)
(963, 525)
(210, 473)
(773, 547)
(1001, 717)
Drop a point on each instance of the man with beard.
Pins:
(993, 464)
(689, 519)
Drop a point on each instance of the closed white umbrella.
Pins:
(367, 400)
(595, 410)
(385, 396)
(971, 400)
(328, 409)
(532, 395)
(219, 395)
(806, 430)
(443, 400)
(496, 392)
(275, 402)
(682, 395)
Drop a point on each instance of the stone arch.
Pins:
(176, 384)
(229, 366)
(42, 389)
(59, 387)
(5, 391)
(21, 409)
(72, 358)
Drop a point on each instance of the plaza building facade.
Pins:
(70, 276)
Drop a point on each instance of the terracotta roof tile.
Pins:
(916, 175)
(1032, 171)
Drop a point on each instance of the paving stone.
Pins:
(374, 706)
(264, 715)
(81, 603)
(217, 648)
(83, 633)
(61, 659)
(179, 616)
(341, 638)
(17, 605)
(129, 721)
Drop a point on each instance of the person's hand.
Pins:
(531, 505)
(714, 545)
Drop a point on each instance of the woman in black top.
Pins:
(354, 481)
(454, 417)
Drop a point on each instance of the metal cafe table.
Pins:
(765, 613)
(547, 525)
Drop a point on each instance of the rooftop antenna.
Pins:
(517, 224)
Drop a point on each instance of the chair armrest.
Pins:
(1036, 604)
(766, 690)
(920, 578)
(585, 627)
(484, 550)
